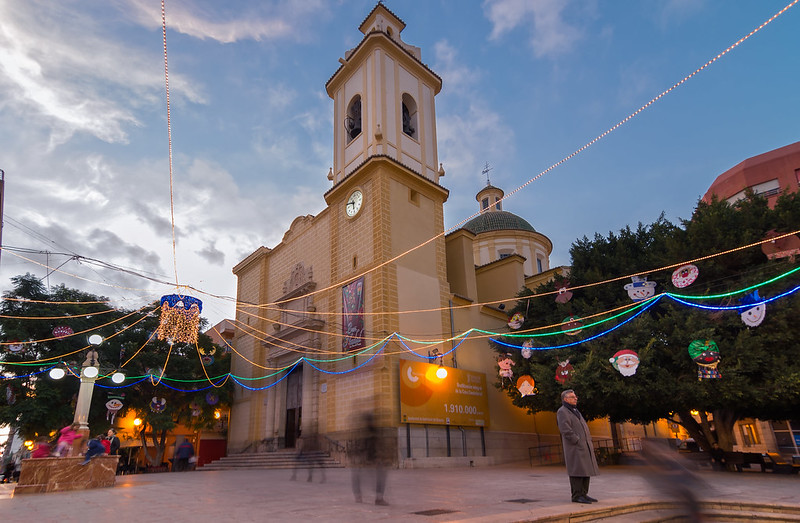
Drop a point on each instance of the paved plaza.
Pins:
(491, 494)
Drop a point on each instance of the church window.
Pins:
(539, 264)
(352, 122)
(409, 109)
(499, 205)
(485, 203)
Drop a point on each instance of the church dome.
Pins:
(497, 221)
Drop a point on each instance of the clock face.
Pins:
(353, 204)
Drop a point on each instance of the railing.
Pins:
(606, 451)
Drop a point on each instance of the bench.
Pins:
(741, 460)
(779, 465)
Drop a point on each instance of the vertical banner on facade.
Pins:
(353, 315)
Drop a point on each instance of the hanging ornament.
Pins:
(62, 332)
(516, 321)
(706, 354)
(16, 348)
(196, 408)
(527, 349)
(207, 356)
(564, 294)
(571, 323)
(11, 398)
(158, 404)
(212, 399)
(753, 316)
(640, 289)
(625, 361)
(526, 386)
(564, 372)
(154, 374)
(114, 405)
(685, 275)
(180, 318)
(505, 363)
(782, 248)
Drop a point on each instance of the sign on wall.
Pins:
(458, 399)
(353, 315)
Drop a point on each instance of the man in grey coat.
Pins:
(578, 449)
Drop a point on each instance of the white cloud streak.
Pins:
(549, 34)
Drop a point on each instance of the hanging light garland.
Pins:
(180, 318)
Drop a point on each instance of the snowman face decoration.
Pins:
(753, 317)
(640, 290)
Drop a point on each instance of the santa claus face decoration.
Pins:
(625, 361)
(564, 372)
(640, 289)
(753, 316)
(685, 275)
(706, 354)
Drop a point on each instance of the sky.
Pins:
(85, 150)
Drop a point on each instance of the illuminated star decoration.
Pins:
(180, 318)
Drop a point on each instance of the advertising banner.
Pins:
(457, 399)
(353, 315)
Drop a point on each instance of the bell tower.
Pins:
(384, 102)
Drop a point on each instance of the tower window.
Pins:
(409, 109)
(539, 264)
(485, 204)
(352, 122)
(499, 205)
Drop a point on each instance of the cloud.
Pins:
(550, 35)
(211, 254)
(263, 21)
(60, 70)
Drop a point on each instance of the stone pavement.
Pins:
(501, 493)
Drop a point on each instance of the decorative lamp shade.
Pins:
(180, 318)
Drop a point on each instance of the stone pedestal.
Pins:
(57, 474)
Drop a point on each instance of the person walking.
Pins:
(578, 449)
(42, 449)
(182, 455)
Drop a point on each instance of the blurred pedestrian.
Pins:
(42, 449)
(718, 461)
(368, 453)
(182, 455)
(308, 456)
(69, 435)
(96, 448)
(668, 476)
(578, 449)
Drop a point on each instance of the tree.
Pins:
(37, 405)
(760, 366)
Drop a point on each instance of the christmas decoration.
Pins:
(113, 405)
(564, 294)
(516, 321)
(564, 372)
(16, 348)
(527, 349)
(706, 354)
(62, 332)
(640, 289)
(196, 408)
(212, 399)
(158, 404)
(685, 275)
(180, 318)
(505, 363)
(526, 386)
(207, 356)
(753, 316)
(571, 322)
(625, 361)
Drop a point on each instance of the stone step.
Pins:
(286, 459)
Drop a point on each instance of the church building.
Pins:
(357, 307)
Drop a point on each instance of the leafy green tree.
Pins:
(760, 366)
(37, 405)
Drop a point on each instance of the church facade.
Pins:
(323, 304)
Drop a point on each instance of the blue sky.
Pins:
(83, 133)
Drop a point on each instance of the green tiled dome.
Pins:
(497, 221)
